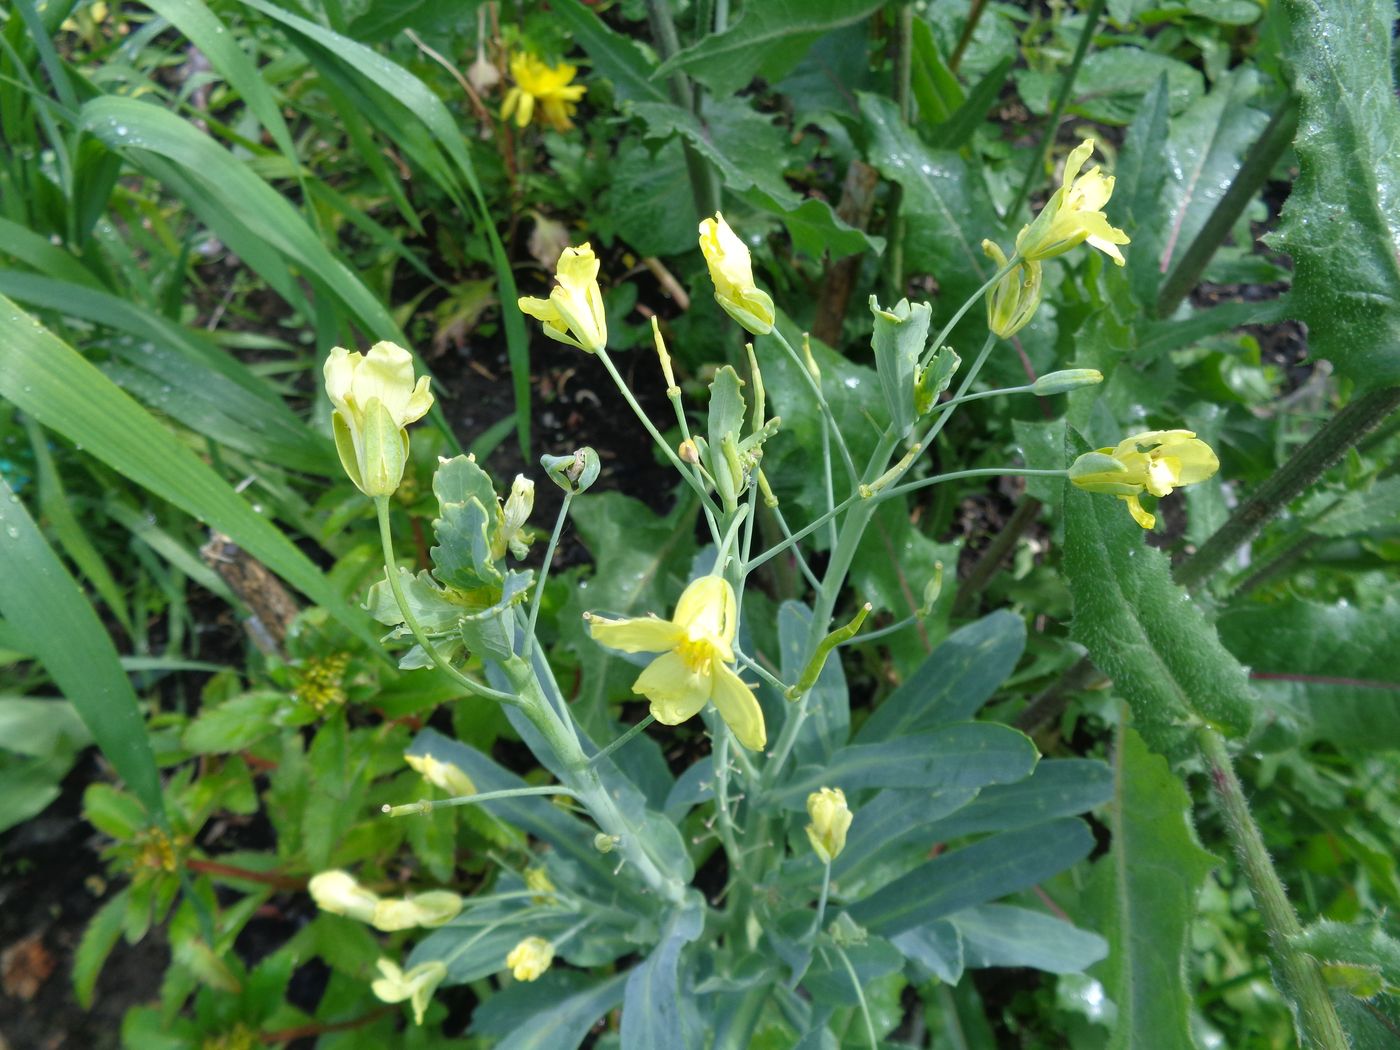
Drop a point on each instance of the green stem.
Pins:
(722, 817)
(655, 434)
(391, 572)
(860, 995)
(623, 739)
(821, 900)
(428, 805)
(815, 389)
(974, 15)
(1318, 1025)
(538, 598)
(1052, 125)
(976, 297)
(702, 177)
(1308, 464)
(980, 472)
(903, 96)
(802, 565)
(797, 537)
(1254, 172)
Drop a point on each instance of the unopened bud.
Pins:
(605, 843)
(1068, 379)
(807, 357)
(932, 589)
(574, 474)
(893, 474)
(687, 452)
(665, 357)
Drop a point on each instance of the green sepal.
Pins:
(934, 379)
(898, 339)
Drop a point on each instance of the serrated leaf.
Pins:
(1322, 672)
(1341, 223)
(1146, 889)
(1359, 944)
(769, 37)
(1359, 512)
(1143, 630)
(615, 56)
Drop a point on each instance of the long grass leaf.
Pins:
(52, 382)
(38, 595)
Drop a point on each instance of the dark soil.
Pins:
(51, 884)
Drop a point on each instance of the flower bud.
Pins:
(442, 775)
(434, 908)
(664, 356)
(338, 893)
(1014, 300)
(375, 399)
(417, 985)
(574, 474)
(1068, 379)
(530, 958)
(605, 843)
(537, 881)
(519, 504)
(731, 271)
(688, 452)
(830, 822)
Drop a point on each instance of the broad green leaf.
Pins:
(748, 149)
(40, 728)
(1361, 511)
(828, 703)
(1205, 149)
(1059, 787)
(655, 1010)
(1341, 223)
(648, 199)
(1360, 944)
(946, 207)
(967, 755)
(1146, 892)
(99, 938)
(29, 785)
(957, 131)
(38, 594)
(1005, 935)
(957, 678)
(768, 38)
(615, 56)
(1322, 672)
(555, 1012)
(50, 381)
(234, 724)
(1111, 83)
(1140, 178)
(976, 874)
(1142, 629)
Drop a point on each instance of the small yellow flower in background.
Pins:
(731, 271)
(338, 893)
(1074, 214)
(1014, 300)
(537, 881)
(530, 958)
(434, 908)
(544, 86)
(1156, 461)
(375, 399)
(573, 313)
(694, 666)
(442, 775)
(417, 985)
(830, 822)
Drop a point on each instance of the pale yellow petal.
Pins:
(646, 634)
(676, 692)
(1140, 516)
(739, 708)
(1196, 461)
(707, 608)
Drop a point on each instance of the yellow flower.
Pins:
(573, 313)
(1013, 302)
(1155, 460)
(338, 893)
(513, 533)
(442, 774)
(375, 399)
(545, 86)
(417, 985)
(538, 882)
(830, 822)
(530, 958)
(731, 271)
(1074, 214)
(694, 666)
(434, 908)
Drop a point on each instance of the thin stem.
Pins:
(655, 434)
(802, 533)
(802, 565)
(538, 598)
(939, 339)
(860, 995)
(1316, 1018)
(816, 390)
(623, 739)
(702, 176)
(391, 571)
(1052, 124)
(428, 805)
(758, 669)
(980, 472)
(1308, 464)
(883, 632)
(722, 817)
(903, 97)
(974, 15)
(821, 900)
(827, 482)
